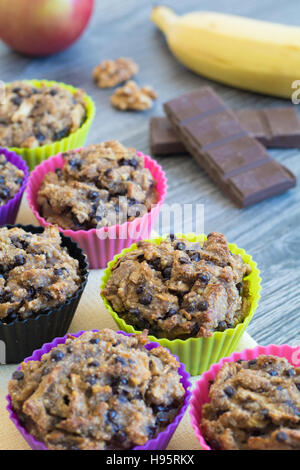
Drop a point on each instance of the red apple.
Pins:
(43, 27)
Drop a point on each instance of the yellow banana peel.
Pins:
(245, 53)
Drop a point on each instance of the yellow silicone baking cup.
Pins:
(76, 139)
(198, 353)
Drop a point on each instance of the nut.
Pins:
(113, 72)
(131, 96)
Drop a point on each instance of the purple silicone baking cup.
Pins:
(160, 442)
(8, 212)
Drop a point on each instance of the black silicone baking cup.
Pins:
(22, 337)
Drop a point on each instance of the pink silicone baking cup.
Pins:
(200, 394)
(160, 442)
(9, 211)
(101, 245)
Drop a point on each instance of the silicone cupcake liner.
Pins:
(201, 391)
(21, 337)
(8, 212)
(100, 245)
(76, 139)
(160, 442)
(198, 353)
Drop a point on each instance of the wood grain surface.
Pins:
(269, 230)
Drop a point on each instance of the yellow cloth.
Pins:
(90, 314)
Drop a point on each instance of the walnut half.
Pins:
(114, 72)
(131, 96)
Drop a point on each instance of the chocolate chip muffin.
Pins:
(34, 116)
(254, 405)
(11, 179)
(180, 289)
(100, 186)
(102, 390)
(36, 273)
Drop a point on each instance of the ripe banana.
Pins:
(249, 54)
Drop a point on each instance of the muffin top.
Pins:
(11, 179)
(254, 405)
(33, 116)
(99, 186)
(180, 289)
(102, 390)
(36, 273)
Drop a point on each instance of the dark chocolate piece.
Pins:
(237, 162)
(272, 127)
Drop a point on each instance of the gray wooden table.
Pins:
(269, 230)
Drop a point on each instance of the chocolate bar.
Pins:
(273, 127)
(237, 162)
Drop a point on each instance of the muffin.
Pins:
(180, 289)
(254, 405)
(42, 277)
(99, 186)
(98, 391)
(36, 273)
(33, 116)
(11, 180)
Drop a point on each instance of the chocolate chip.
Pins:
(108, 172)
(93, 364)
(40, 136)
(239, 286)
(222, 326)
(17, 100)
(264, 412)
(4, 193)
(291, 373)
(53, 92)
(75, 164)
(94, 340)
(172, 237)
(184, 261)
(298, 386)
(195, 257)
(61, 134)
(281, 436)
(57, 355)
(111, 415)
(91, 379)
(167, 272)
(140, 289)
(202, 306)
(134, 311)
(58, 171)
(18, 375)
(119, 437)
(209, 235)
(180, 246)
(92, 195)
(121, 360)
(272, 372)
(145, 299)
(154, 263)
(229, 391)
(16, 89)
(252, 362)
(19, 260)
(195, 329)
(60, 271)
(204, 278)
(170, 312)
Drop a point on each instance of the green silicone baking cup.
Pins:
(198, 353)
(76, 139)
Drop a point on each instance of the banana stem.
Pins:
(163, 17)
